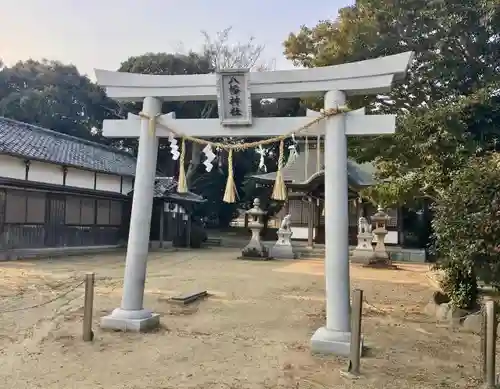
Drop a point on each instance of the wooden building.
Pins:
(59, 191)
(304, 178)
(172, 211)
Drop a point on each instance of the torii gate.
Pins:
(369, 77)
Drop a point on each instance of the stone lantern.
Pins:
(380, 220)
(255, 249)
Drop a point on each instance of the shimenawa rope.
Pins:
(279, 190)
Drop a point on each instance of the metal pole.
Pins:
(356, 315)
(88, 334)
(491, 327)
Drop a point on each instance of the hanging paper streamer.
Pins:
(279, 190)
(292, 156)
(262, 153)
(181, 183)
(210, 156)
(230, 192)
(174, 148)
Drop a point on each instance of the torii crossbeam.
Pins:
(335, 83)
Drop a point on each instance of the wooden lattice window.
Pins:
(103, 211)
(15, 211)
(115, 217)
(35, 207)
(87, 212)
(73, 210)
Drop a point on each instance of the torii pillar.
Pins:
(335, 83)
(335, 336)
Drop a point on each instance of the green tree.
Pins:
(168, 64)
(447, 106)
(56, 96)
(456, 49)
(467, 229)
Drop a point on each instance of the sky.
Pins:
(103, 33)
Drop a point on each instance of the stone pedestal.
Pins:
(326, 341)
(283, 246)
(380, 253)
(133, 321)
(363, 253)
(254, 248)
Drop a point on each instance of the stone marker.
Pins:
(188, 298)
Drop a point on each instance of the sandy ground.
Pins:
(253, 332)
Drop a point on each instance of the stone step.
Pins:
(318, 251)
(303, 249)
(213, 241)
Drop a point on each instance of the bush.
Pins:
(466, 228)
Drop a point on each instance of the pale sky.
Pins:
(103, 33)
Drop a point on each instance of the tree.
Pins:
(223, 54)
(456, 49)
(467, 229)
(447, 107)
(216, 53)
(168, 64)
(437, 142)
(56, 96)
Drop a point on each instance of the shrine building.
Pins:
(304, 179)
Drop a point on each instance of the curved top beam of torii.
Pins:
(367, 77)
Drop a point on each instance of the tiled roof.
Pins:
(294, 173)
(166, 187)
(38, 143)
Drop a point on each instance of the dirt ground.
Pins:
(252, 332)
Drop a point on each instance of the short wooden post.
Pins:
(491, 338)
(310, 224)
(356, 315)
(483, 341)
(188, 230)
(88, 334)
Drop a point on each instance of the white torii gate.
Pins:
(369, 77)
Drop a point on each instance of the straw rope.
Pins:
(279, 190)
(182, 182)
(249, 145)
(230, 192)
